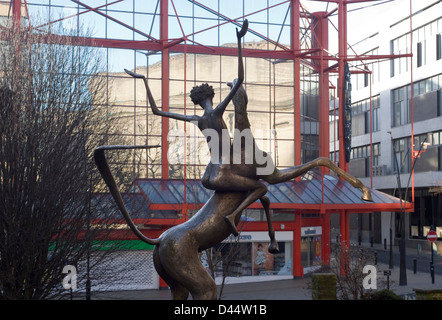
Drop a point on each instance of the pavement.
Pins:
(299, 289)
(287, 289)
(417, 270)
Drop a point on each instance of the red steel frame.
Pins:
(320, 63)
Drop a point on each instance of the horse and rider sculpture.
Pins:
(235, 176)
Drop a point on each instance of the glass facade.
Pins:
(309, 115)
(129, 33)
(401, 100)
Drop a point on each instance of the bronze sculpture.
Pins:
(236, 186)
(218, 174)
(245, 177)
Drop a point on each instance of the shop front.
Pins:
(246, 257)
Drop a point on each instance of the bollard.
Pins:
(414, 266)
(388, 274)
(432, 272)
(385, 244)
(323, 286)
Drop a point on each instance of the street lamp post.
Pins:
(402, 250)
(402, 244)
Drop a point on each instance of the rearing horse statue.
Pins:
(176, 252)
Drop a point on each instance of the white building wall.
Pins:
(393, 24)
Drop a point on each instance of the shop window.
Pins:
(251, 259)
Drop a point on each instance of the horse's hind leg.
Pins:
(366, 194)
(203, 286)
(192, 275)
(258, 190)
(185, 274)
(178, 291)
(273, 248)
(287, 174)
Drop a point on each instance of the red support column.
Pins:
(345, 240)
(16, 13)
(164, 34)
(325, 239)
(16, 29)
(295, 45)
(344, 228)
(298, 271)
(342, 37)
(320, 41)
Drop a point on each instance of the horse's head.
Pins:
(240, 99)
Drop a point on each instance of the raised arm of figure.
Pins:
(239, 34)
(153, 104)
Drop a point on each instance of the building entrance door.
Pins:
(310, 251)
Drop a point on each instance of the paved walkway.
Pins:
(418, 280)
(299, 289)
(287, 289)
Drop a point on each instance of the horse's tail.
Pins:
(103, 167)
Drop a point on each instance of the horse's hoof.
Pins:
(366, 195)
(231, 223)
(273, 248)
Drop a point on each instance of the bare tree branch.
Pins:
(52, 116)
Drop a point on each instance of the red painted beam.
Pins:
(263, 226)
(113, 19)
(295, 44)
(16, 14)
(342, 44)
(298, 270)
(164, 34)
(323, 207)
(362, 207)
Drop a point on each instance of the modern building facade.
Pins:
(397, 124)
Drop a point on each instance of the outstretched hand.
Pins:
(243, 30)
